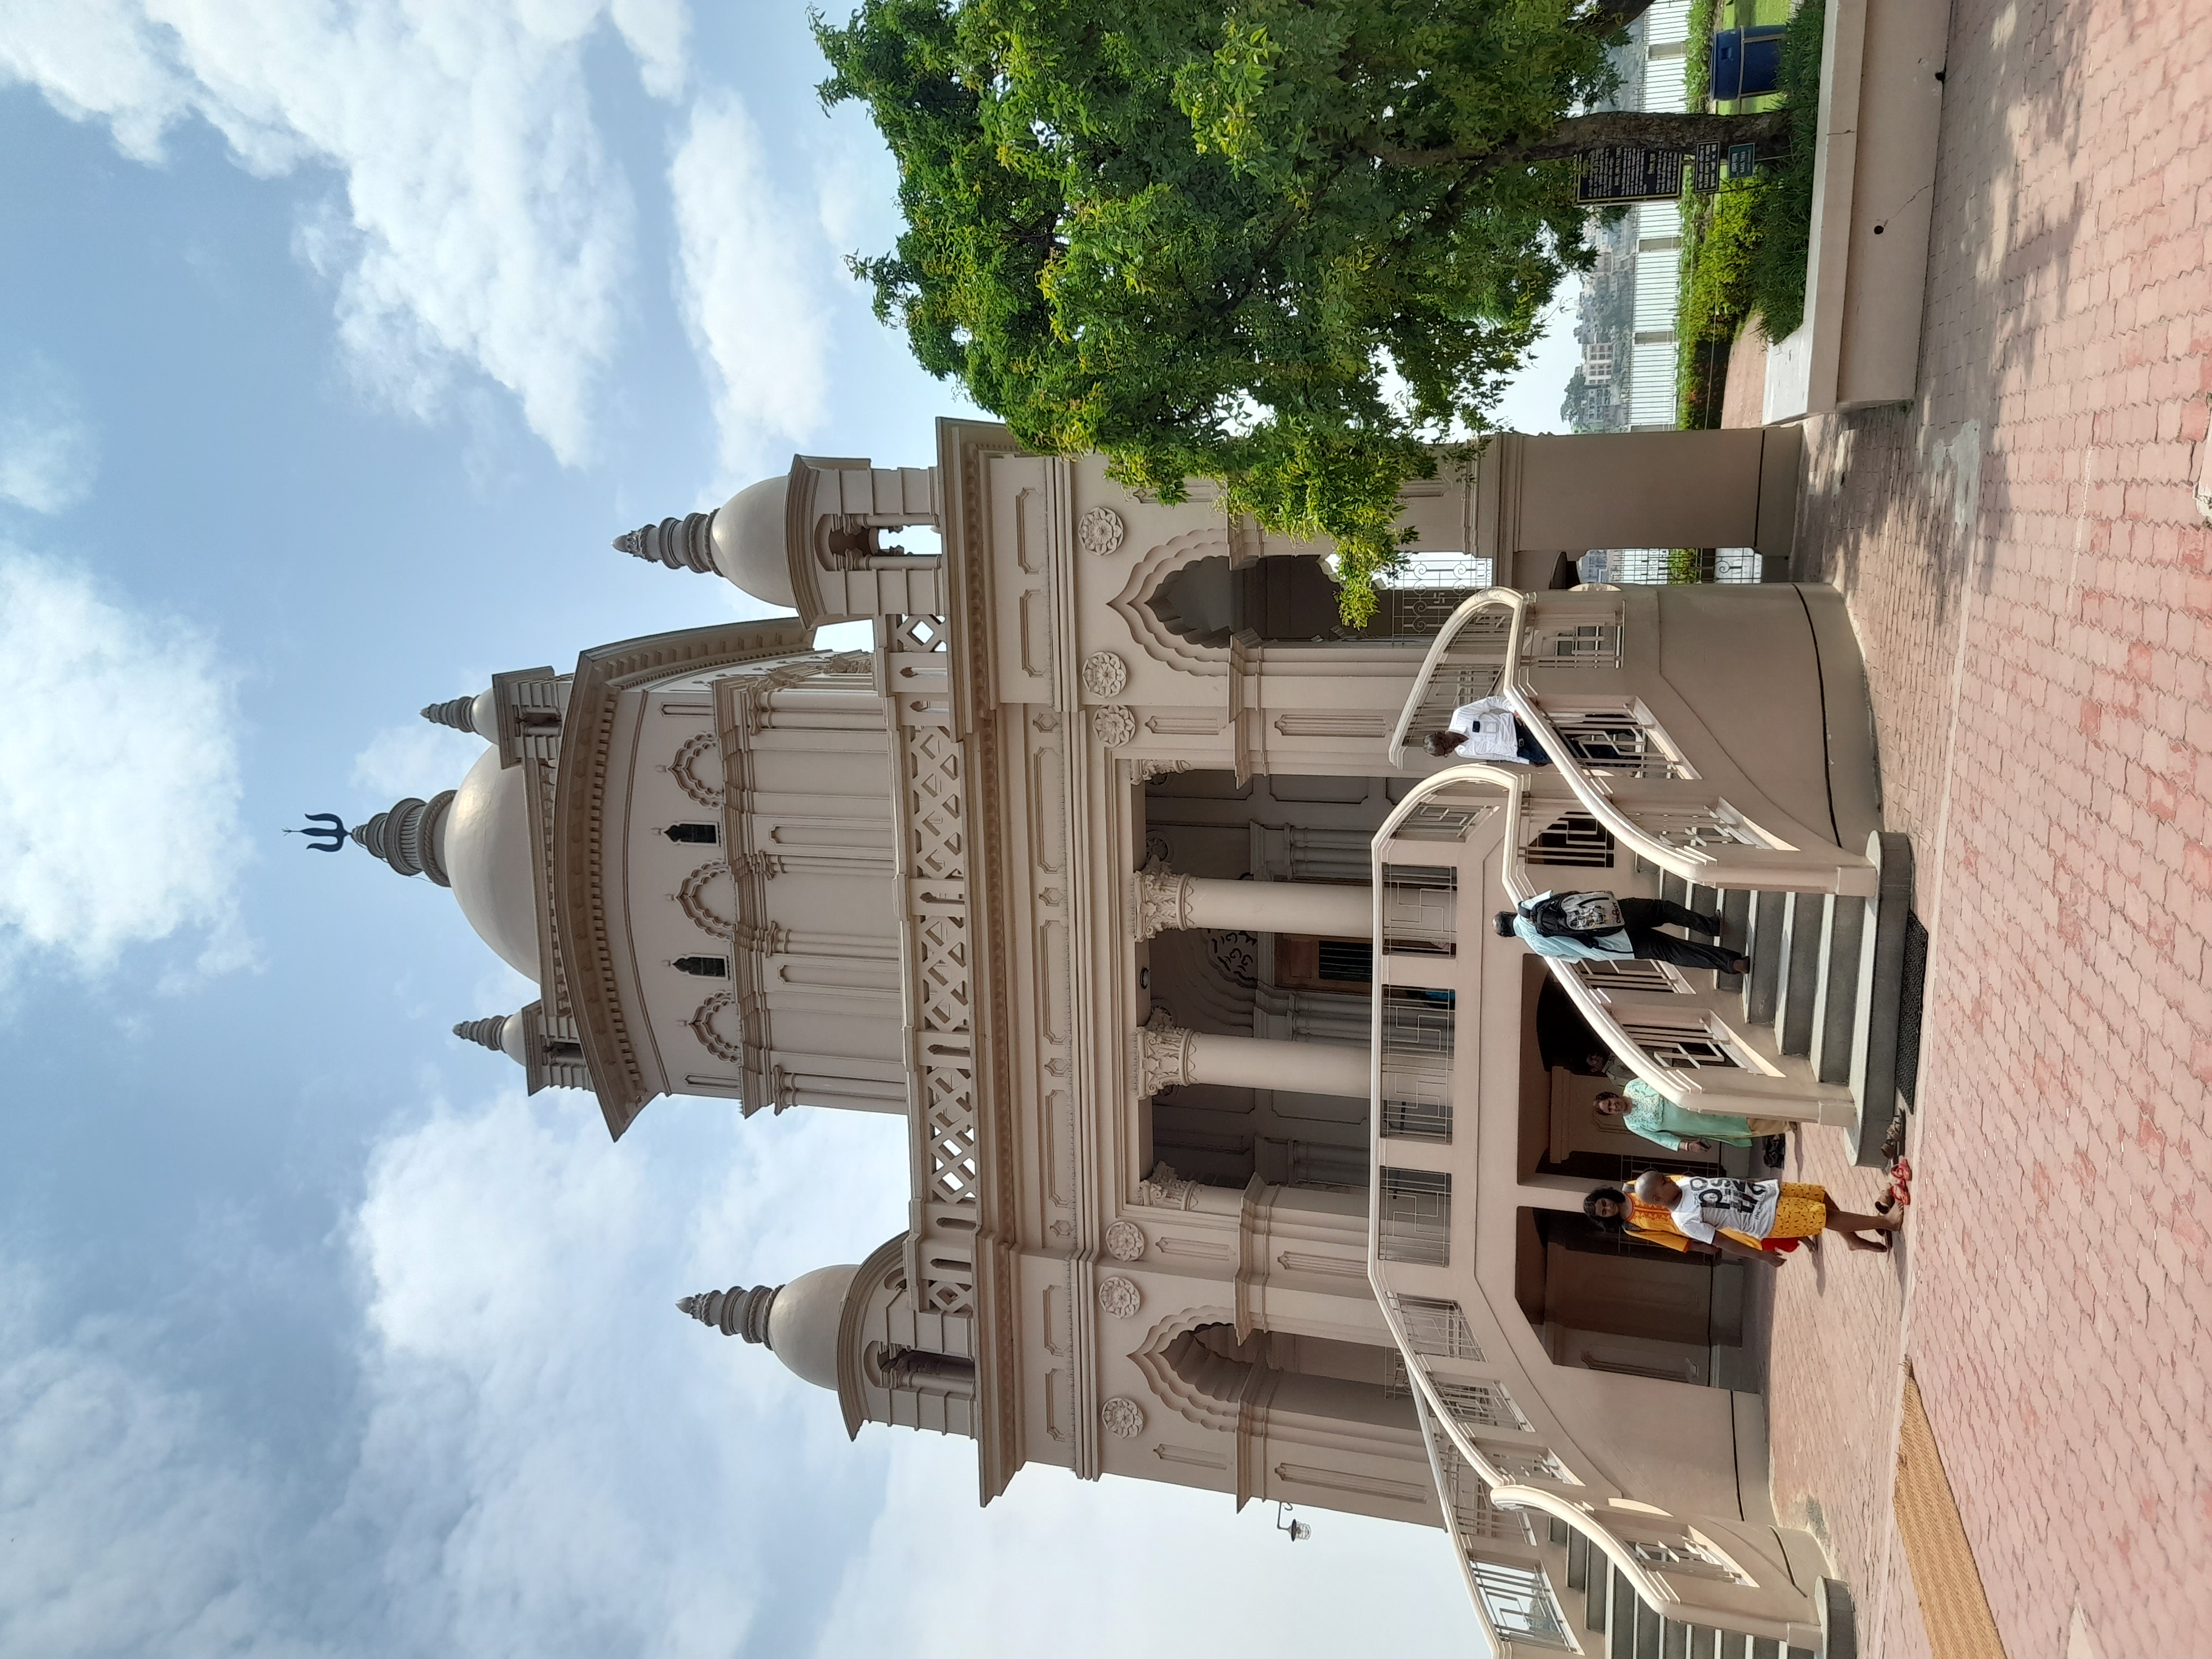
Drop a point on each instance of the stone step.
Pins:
(1799, 952)
(1734, 907)
(1835, 995)
(1881, 980)
(1622, 1625)
(1763, 993)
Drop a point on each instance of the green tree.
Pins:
(1294, 245)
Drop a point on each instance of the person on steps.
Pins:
(1596, 926)
(1485, 729)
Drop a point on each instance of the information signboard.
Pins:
(1636, 172)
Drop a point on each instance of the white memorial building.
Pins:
(1244, 1154)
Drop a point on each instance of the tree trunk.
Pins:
(1611, 16)
(1577, 134)
(1653, 129)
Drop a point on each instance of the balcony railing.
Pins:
(1677, 1038)
(1496, 1444)
(1630, 781)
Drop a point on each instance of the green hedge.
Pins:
(1776, 275)
(1698, 65)
(1721, 239)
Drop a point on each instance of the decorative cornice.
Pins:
(580, 829)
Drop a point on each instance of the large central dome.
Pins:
(490, 859)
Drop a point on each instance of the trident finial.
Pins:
(327, 836)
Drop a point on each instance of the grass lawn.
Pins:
(1744, 249)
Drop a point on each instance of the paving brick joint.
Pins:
(2032, 582)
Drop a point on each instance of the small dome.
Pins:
(802, 1325)
(489, 857)
(749, 543)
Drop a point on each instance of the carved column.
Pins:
(1167, 1055)
(1162, 900)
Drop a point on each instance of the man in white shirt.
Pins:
(1486, 731)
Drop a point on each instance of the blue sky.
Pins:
(335, 344)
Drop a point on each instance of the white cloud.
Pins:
(657, 31)
(48, 454)
(547, 1460)
(118, 777)
(555, 1461)
(414, 758)
(482, 221)
(855, 183)
(748, 268)
(1086, 1571)
(132, 1525)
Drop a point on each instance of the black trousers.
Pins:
(1644, 917)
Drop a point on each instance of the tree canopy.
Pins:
(1293, 245)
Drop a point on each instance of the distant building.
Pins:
(1626, 321)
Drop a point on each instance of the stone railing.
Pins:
(1632, 781)
(933, 823)
(1496, 1442)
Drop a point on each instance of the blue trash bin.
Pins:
(1747, 61)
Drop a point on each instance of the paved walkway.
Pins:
(2032, 585)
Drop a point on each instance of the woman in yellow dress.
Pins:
(1741, 1218)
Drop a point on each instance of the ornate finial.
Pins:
(684, 543)
(406, 837)
(456, 711)
(328, 834)
(487, 1032)
(734, 1312)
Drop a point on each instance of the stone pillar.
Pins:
(1167, 1055)
(1163, 900)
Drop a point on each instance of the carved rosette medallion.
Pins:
(1160, 901)
(1119, 1296)
(1100, 531)
(1122, 1416)
(1125, 1240)
(1104, 674)
(1115, 726)
(1162, 1058)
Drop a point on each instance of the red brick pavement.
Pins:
(2033, 586)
